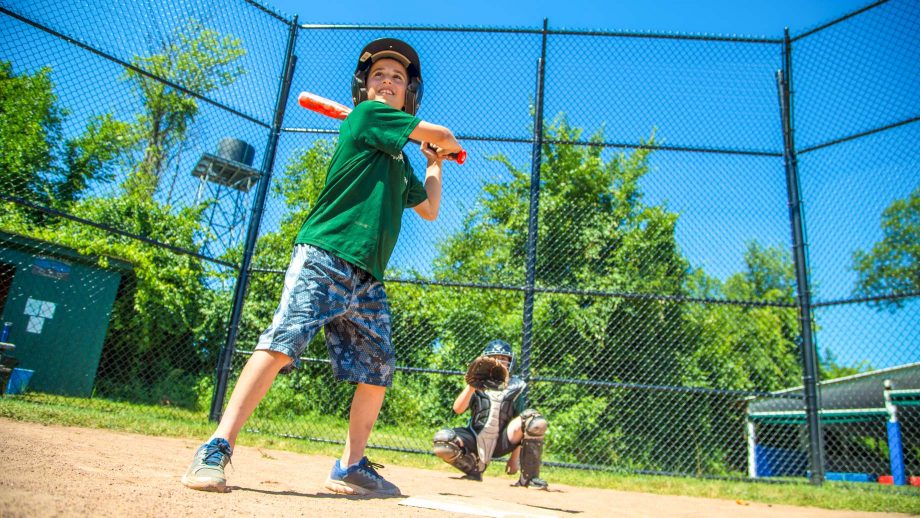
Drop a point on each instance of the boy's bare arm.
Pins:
(428, 209)
(463, 400)
(441, 137)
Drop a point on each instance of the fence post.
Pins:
(807, 347)
(895, 443)
(252, 234)
(532, 227)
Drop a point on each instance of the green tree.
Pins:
(200, 60)
(30, 123)
(892, 266)
(596, 234)
(746, 346)
(830, 369)
(749, 344)
(36, 163)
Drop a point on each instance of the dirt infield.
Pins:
(60, 471)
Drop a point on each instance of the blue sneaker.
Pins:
(207, 470)
(360, 479)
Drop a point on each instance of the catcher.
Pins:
(498, 424)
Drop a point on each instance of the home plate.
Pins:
(475, 506)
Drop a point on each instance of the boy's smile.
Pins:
(387, 80)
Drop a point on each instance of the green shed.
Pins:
(59, 303)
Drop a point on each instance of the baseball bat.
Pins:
(335, 110)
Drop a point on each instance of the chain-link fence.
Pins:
(639, 217)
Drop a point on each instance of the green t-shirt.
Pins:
(358, 214)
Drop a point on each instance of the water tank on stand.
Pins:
(226, 179)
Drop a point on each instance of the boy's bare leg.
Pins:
(206, 473)
(255, 380)
(365, 406)
(514, 431)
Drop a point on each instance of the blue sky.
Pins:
(742, 17)
(721, 214)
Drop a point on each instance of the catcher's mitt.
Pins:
(487, 373)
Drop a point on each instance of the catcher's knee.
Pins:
(533, 424)
(447, 445)
(450, 448)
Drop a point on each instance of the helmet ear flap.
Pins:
(358, 87)
(413, 96)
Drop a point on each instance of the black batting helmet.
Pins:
(393, 49)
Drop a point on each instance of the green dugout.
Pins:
(59, 303)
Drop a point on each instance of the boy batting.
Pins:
(334, 279)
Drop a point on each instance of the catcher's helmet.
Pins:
(498, 348)
(393, 49)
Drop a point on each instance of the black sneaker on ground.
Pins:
(533, 483)
(360, 479)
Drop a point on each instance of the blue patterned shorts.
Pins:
(323, 291)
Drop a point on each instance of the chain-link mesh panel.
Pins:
(140, 137)
(131, 142)
(626, 379)
(632, 87)
(857, 75)
(861, 197)
(855, 128)
(643, 429)
(638, 220)
(202, 29)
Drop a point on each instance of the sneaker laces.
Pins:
(214, 453)
(369, 467)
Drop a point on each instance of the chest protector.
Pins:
(490, 413)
